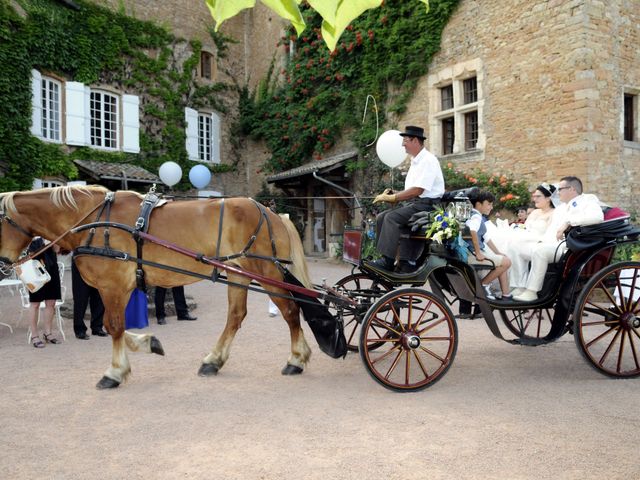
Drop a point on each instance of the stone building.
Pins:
(540, 89)
(255, 33)
(535, 88)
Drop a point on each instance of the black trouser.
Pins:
(178, 298)
(392, 224)
(84, 295)
(465, 308)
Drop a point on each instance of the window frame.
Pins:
(465, 80)
(203, 136)
(46, 115)
(206, 63)
(74, 116)
(630, 122)
(116, 132)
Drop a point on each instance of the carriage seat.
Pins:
(612, 228)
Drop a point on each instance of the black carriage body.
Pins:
(560, 304)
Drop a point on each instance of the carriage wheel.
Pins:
(364, 290)
(530, 324)
(416, 338)
(607, 320)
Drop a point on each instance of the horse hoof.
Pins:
(106, 382)
(208, 370)
(291, 370)
(156, 346)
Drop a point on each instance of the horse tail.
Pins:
(299, 265)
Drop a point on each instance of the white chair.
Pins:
(24, 297)
(11, 283)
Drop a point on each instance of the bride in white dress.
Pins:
(522, 241)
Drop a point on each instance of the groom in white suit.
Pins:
(577, 209)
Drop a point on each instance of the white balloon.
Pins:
(389, 148)
(170, 173)
(199, 176)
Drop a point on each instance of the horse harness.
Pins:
(151, 201)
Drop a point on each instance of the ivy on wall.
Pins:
(302, 109)
(94, 46)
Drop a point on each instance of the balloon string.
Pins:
(364, 115)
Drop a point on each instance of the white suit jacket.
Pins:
(584, 209)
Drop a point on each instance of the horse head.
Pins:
(13, 237)
(47, 212)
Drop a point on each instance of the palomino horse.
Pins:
(194, 225)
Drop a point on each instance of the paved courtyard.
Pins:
(501, 412)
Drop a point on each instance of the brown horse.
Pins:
(194, 225)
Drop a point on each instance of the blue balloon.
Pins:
(199, 176)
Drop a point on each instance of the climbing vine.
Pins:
(301, 109)
(94, 46)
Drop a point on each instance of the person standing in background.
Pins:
(182, 310)
(49, 293)
(83, 295)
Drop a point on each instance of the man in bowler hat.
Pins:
(423, 186)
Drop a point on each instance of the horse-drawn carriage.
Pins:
(407, 336)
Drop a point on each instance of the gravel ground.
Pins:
(501, 412)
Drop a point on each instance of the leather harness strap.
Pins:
(264, 217)
(142, 225)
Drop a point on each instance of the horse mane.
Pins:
(62, 197)
(7, 203)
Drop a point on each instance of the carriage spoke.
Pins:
(424, 312)
(364, 291)
(419, 344)
(535, 323)
(611, 298)
(396, 316)
(410, 311)
(422, 367)
(432, 326)
(407, 367)
(352, 334)
(433, 354)
(621, 351)
(393, 365)
(598, 309)
(610, 342)
(600, 337)
(632, 290)
(619, 288)
(608, 350)
(633, 350)
(383, 324)
(385, 355)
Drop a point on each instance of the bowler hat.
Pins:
(412, 131)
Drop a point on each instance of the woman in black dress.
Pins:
(48, 294)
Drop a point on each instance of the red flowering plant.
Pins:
(302, 108)
(510, 194)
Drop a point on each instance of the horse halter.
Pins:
(6, 267)
(10, 221)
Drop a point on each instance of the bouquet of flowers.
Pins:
(444, 226)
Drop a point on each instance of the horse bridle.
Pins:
(10, 221)
(7, 268)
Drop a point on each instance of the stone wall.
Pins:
(255, 33)
(553, 76)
